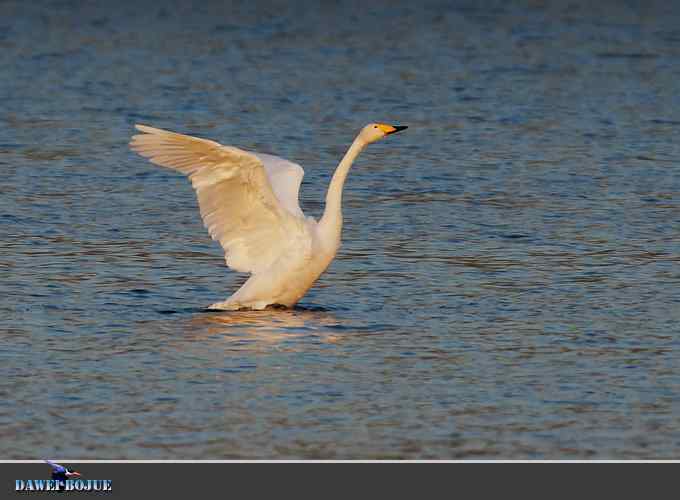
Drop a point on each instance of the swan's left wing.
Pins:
(239, 203)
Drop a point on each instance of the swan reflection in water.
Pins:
(266, 328)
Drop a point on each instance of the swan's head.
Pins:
(376, 131)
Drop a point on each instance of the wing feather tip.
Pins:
(149, 130)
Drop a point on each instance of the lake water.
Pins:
(509, 281)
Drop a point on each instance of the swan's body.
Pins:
(249, 203)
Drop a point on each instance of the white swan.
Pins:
(249, 203)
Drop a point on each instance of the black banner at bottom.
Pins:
(348, 480)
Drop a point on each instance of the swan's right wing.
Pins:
(285, 178)
(236, 198)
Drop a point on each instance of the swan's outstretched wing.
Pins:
(285, 178)
(246, 205)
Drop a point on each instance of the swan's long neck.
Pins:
(331, 222)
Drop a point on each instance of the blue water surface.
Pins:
(509, 281)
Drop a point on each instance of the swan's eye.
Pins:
(375, 126)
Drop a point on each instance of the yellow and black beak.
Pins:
(391, 129)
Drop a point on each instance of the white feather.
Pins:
(248, 201)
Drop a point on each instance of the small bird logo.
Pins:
(61, 473)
